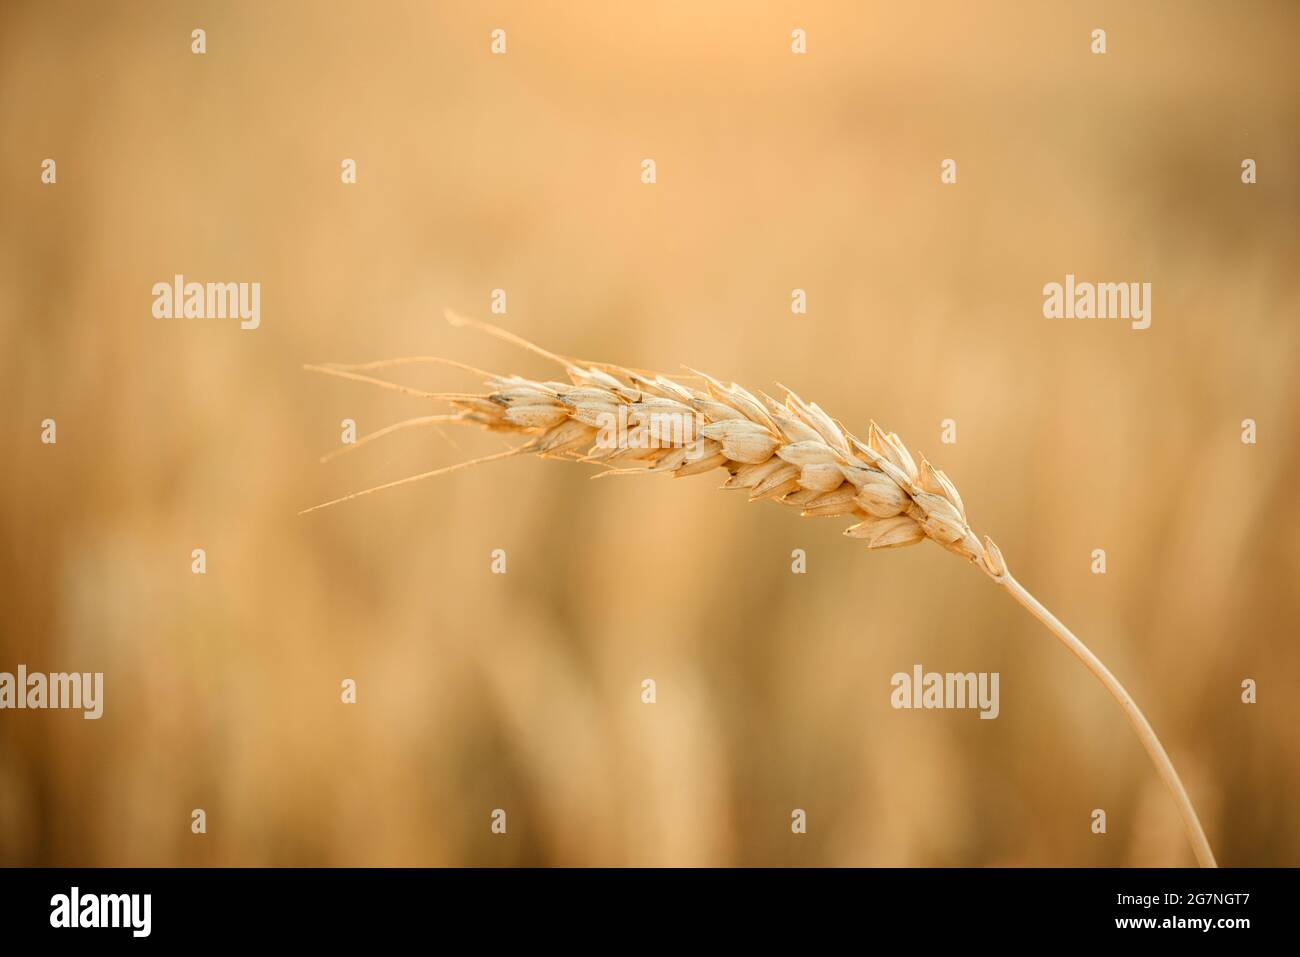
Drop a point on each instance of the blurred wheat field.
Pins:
(522, 691)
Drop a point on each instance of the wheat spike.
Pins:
(789, 451)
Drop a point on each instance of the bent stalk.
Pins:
(1145, 733)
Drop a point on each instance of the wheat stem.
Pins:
(1145, 733)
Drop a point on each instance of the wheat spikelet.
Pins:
(790, 452)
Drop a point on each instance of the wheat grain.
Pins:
(790, 452)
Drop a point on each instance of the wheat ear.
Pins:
(789, 452)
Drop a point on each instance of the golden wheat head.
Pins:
(790, 452)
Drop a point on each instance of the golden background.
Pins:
(522, 691)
